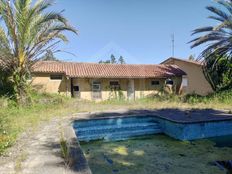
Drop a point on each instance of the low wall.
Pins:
(193, 131)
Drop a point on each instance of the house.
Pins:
(195, 81)
(93, 81)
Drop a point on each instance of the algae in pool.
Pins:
(157, 154)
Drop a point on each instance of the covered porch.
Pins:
(124, 88)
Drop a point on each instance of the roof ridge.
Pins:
(184, 60)
(92, 63)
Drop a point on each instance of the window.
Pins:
(76, 88)
(184, 81)
(96, 86)
(169, 82)
(56, 77)
(96, 90)
(114, 85)
(155, 82)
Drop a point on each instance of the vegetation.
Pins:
(64, 146)
(113, 60)
(16, 119)
(27, 30)
(49, 56)
(219, 74)
(217, 54)
(171, 156)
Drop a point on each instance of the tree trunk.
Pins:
(20, 87)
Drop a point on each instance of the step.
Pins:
(107, 127)
(119, 135)
(112, 121)
(112, 129)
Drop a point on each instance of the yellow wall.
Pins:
(143, 87)
(43, 83)
(196, 79)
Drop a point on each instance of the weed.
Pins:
(64, 149)
(18, 165)
(14, 119)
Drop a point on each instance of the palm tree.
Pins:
(27, 30)
(218, 39)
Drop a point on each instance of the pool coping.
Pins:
(78, 163)
(76, 154)
(145, 114)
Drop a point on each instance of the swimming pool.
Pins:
(152, 144)
(124, 127)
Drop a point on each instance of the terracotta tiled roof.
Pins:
(182, 60)
(93, 70)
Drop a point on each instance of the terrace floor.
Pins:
(175, 115)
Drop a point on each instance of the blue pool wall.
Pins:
(177, 130)
(193, 131)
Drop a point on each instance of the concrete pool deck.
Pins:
(38, 152)
(175, 115)
(176, 123)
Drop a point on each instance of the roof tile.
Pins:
(93, 70)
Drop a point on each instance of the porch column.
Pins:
(131, 89)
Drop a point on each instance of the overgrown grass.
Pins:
(14, 120)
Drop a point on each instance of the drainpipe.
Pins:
(66, 82)
(71, 79)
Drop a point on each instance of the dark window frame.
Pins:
(169, 82)
(56, 77)
(155, 82)
(76, 88)
(114, 85)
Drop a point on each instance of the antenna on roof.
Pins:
(173, 45)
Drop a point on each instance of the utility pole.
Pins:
(173, 45)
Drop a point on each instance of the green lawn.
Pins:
(15, 120)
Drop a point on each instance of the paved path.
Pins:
(38, 152)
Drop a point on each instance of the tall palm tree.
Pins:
(27, 30)
(218, 39)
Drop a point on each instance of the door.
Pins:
(76, 91)
(75, 88)
(131, 90)
(96, 90)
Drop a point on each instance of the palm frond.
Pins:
(203, 29)
(226, 4)
(218, 12)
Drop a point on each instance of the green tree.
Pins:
(27, 30)
(121, 60)
(192, 58)
(219, 75)
(113, 59)
(218, 40)
(49, 56)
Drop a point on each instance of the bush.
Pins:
(217, 97)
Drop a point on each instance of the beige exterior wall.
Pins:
(196, 79)
(143, 87)
(42, 82)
